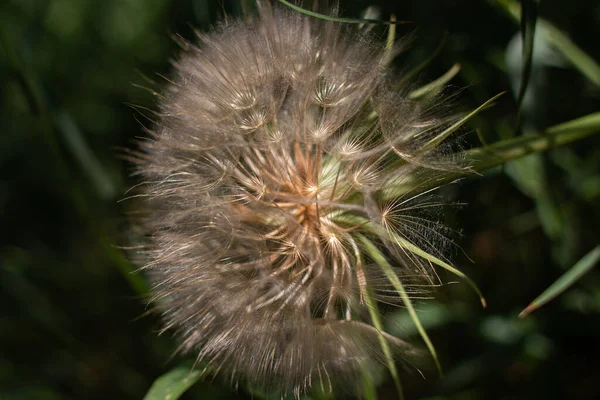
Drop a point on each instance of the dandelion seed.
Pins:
(273, 163)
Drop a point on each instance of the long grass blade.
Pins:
(586, 124)
(340, 19)
(385, 346)
(407, 245)
(585, 64)
(580, 60)
(501, 152)
(369, 392)
(376, 255)
(582, 267)
(448, 131)
(440, 263)
(490, 156)
(528, 22)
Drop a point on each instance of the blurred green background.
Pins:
(75, 79)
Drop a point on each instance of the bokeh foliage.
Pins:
(76, 77)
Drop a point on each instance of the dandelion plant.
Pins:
(289, 190)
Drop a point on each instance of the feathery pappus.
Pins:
(283, 197)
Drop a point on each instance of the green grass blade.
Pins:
(577, 57)
(582, 267)
(391, 37)
(588, 124)
(136, 280)
(340, 19)
(89, 162)
(437, 85)
(174, 383)
(561, 41)
(506, 150)
(490, 156)
(385, 346)
(389, 44)
(440, 263)
(528, 22)
(369, 390)
(529, 175)
(407, 245)
(376, 255)
(486, 157)
(448, 131)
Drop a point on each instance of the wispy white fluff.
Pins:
(278, 144)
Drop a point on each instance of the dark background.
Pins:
(75, 77)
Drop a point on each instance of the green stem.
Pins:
(486, 157)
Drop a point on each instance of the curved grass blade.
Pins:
(582, 267)
(340, 19)
(376, 255)
(437, 85)
(356, 220)
(385, 346)
(448, 131)
(174, 383)
(431, 258)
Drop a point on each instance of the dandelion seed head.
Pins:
(278, 141)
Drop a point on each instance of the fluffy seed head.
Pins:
(284, 146)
